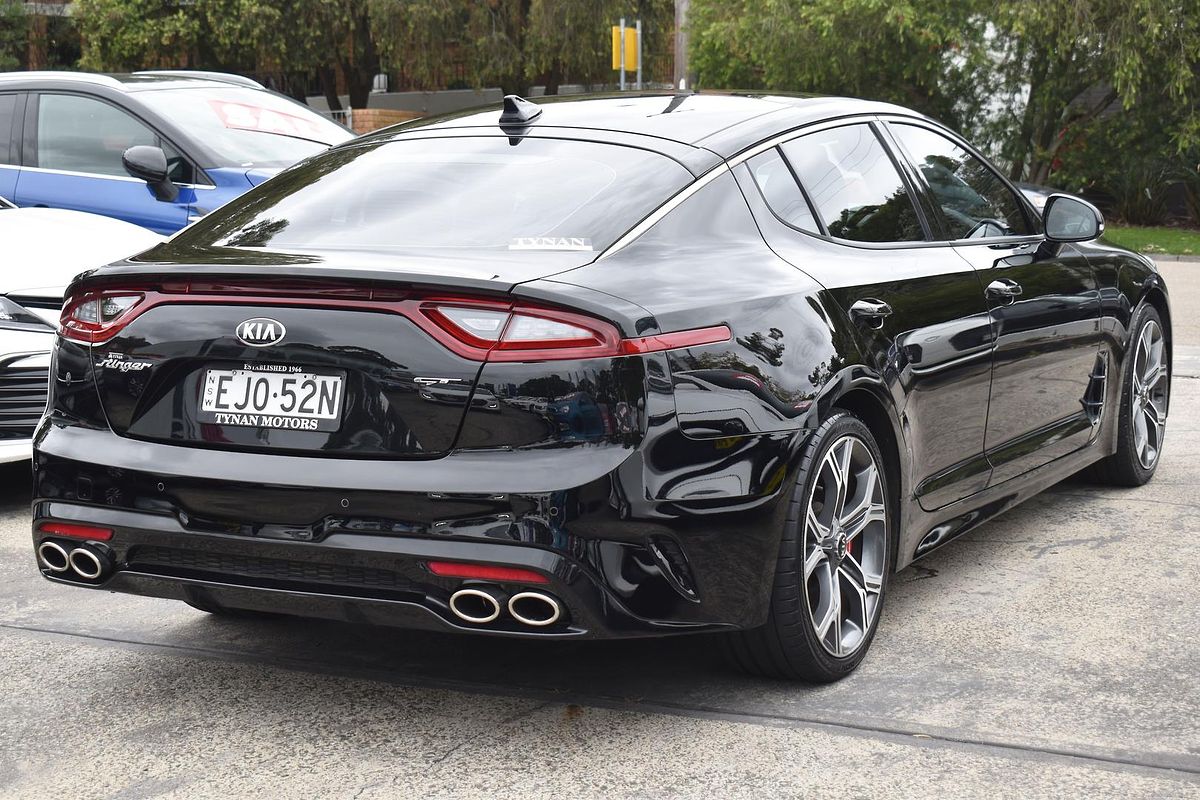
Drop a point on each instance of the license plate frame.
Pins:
(217, 402)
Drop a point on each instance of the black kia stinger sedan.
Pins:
(601, 367)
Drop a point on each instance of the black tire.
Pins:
(787, 646)
(1125, 467)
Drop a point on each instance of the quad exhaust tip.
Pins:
(81, 561)
(86, 564)
(54, 556)
(534, 608)
(477, 606)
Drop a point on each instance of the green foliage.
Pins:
(513, 43)
(13, 30)
(921, 53)
(124, 35)
(1024, 76)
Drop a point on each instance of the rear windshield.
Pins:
(247, 127)
(469, 192)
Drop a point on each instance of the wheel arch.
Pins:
(870, 403)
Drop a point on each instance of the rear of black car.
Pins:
(334, 398)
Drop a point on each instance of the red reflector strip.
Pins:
(76, 531)
(675, 341)
(487, 572)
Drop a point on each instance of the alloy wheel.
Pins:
(845, 546)
(1150, 384)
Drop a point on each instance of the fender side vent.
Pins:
(1093, 396)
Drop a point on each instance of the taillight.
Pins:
(503, 333)
(96, 317)
(477, 328)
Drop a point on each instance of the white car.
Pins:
(44, 248)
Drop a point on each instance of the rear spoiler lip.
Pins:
(632, 320)
(125, 272)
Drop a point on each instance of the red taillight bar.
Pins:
(580, 336)
(76, 531)
(486, 572)
(676, 340)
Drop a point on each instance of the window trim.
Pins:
(821, 231)
(918, 207)
(13, 157)
(31, 143)
(1031, 219)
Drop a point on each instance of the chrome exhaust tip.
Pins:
(86, 564)
(534, 608)
(54, 557)
(476, 606)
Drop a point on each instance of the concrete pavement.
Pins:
(1051, 653)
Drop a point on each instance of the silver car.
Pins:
(44, 248)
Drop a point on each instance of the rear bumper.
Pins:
(621, 563)
(351, 577)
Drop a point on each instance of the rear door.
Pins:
(73, 160)
(1043, 302)
(11, 106)
(917, 306)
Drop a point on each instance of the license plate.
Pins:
(285, 398)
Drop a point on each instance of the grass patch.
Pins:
(1173, 241)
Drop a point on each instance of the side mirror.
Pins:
(1070, 219)
(150, 164)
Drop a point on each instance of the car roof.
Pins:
(723, 122)
(130, 81)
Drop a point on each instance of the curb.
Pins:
(1169, 257)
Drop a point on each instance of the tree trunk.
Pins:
(1037, 77)
(363, 62)
(329, 87)
(554, 78)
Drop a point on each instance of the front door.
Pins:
(918, 307)
(76, 164)
(1042, 299)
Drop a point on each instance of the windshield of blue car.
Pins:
(465, 192)
(247, 127)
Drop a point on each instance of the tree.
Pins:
(513, 43)
(13, 30)
(122, 35)
(921, 53)
(1073, 59)
(1023, 77)
(291, 37)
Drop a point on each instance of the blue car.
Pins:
(158, 149)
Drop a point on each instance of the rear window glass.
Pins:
(470, 192)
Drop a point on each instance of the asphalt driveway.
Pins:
(1053, 652)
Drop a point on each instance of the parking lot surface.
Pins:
(1052, 652)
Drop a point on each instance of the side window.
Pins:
(854, 185)
(779, 188)
(974, 201)
(80, 134)
(8, 108)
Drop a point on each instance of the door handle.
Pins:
(870, 311)
(1005, 288)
